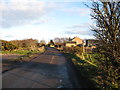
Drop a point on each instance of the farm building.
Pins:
(76, 41)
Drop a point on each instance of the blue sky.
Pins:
(22, 19)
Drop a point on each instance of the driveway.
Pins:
(48, 70)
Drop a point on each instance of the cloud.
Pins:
(22, 12)
(8, 36)
(77, 11)
(81, 32)
(82, 29)
(84, 25)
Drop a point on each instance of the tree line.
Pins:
(28, 44)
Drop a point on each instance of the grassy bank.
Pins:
(87, 70)
(16, 58)
(25, 55)
(23, 51)
(90, 72)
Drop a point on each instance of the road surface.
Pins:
(48, 70)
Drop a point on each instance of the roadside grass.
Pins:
(21, 52)
(25, 55)
(86, 69)
(16, 58)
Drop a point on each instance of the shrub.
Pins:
(73, 50)
(8, 46)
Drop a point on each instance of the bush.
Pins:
(73, 50)
(8, 46)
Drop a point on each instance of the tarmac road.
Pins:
(48, 70)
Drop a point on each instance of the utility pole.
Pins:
(83, 51)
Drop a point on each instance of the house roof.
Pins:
(76, 38)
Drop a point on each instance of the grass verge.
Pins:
(21, 52)
(25, 56)
(86, 70)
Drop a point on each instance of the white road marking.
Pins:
(52, 59)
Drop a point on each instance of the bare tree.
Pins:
(42, 43)
(58, 40)
(107, 30)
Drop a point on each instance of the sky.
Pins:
(37, 19)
